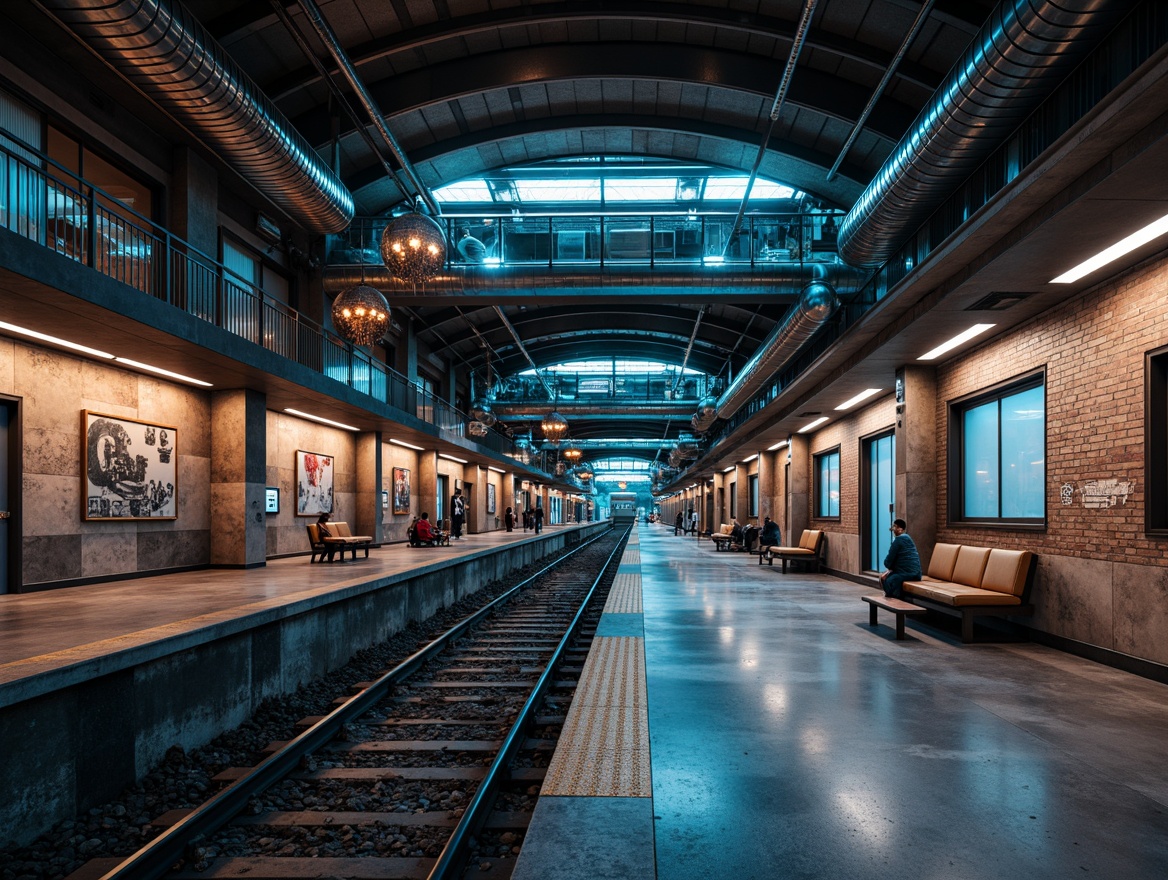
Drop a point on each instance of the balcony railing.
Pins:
(47, 204)
(612, 387)
(677, 240)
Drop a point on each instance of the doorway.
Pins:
(879, 498)
(10, 463)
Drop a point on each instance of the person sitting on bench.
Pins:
(425, 531)
(902, 563)
(322, 526)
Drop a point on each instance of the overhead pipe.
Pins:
(688, 349)
(349, 72)
(818, 303)
(610, 411)
(801, 31)
(160, 47)
(768, 279)
(1021, 54)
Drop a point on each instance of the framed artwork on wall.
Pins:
(490, 497)
(401, 490)
(314, 483)
(130, 469)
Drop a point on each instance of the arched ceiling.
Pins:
(469, 87)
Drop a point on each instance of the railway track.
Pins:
(431, 770)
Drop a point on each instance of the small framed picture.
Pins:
(271, 500)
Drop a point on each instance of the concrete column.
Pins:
(428, 483)
(508, 493)
(194, 201)
(916, 455)
(367, 517)
(477, 519)
(766, 486)
(238, 477)
(798, 489)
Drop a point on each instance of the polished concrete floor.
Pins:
(791, 740)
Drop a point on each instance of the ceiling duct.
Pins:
(162, 49)
(1021, 54)
(815, 306)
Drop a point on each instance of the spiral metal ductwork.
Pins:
(1021, 54)
(161, 48)
(815, 306)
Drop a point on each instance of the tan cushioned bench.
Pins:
(810, 549)
(343, 539)
(972, 581)
(721, 538)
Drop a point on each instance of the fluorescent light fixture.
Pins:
(406, 445)
(44, 337)
(1109, 255)
(811, 427)
(451, 458)
(491, 467)
(713, 260)
(750, 458)
(727, 470)
(975, 330)
(161, 372)
(862, 396)
(778, 445)
(323, 421)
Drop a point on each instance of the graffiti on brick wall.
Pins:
(1098, 494)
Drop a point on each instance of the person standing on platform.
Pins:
(509, 519)
(679, 523)
(457, 514)
(538, 518)
(902, 563)
(693, 519)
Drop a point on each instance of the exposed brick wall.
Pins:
(1093, 351)
(873, 419)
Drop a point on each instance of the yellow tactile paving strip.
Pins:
(625, 595)
(604, 748)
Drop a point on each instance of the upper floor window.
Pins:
(998, 455)
(827, 484)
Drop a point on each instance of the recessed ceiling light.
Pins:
(320, 419)
(975, 330)
(863, 395)
(406, 445)
(750, 458)
(491, 467)
(727, 470)
(778, 445)
(161, 372)
(451, 458)
(64, 343)
(813, 425)
(1109, 255)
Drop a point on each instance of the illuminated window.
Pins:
(827, 484)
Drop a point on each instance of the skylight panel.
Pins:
(467, 191)
(649, 189)
(558, 190)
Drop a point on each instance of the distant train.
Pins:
(623, 506)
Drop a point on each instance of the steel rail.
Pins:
(452, 858)
(154, 860)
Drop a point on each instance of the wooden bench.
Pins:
(969, 582)
(897, 606)
(722, 538)
(810, 550)
(332, 547)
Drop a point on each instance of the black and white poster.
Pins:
(130, 469)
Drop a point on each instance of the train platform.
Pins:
(733, 721)
(98, 681)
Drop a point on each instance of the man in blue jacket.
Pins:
(902, 563)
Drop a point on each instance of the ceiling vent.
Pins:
(1000, 300)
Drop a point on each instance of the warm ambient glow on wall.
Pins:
(98, 353)
(320, 419)
(1109, 255)
(975, 330)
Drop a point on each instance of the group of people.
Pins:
(686, 522)
(531, 518)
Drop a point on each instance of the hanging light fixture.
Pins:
(622, 484)
(572, 454)
(583, 471)
(554, 426)
(413, 247)
(361, 314)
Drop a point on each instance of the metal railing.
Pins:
(45, 203)
(608, 387)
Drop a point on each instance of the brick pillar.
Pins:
(238, 477)
(916, 455)
(798, 489)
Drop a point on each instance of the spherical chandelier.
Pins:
(361, 314)
(413, 247)
(554, 426)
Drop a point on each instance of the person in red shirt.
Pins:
(423, 529)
